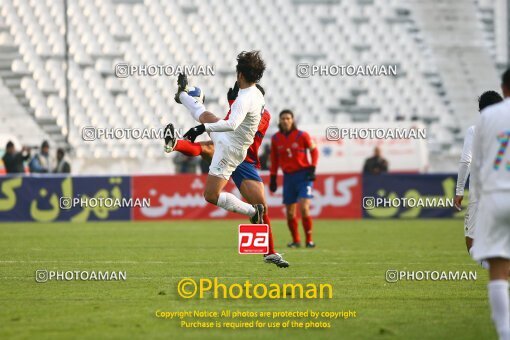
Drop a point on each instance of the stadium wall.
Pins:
(170, 197)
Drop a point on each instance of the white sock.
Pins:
(195, 107)
(231, 203)
(498, 299)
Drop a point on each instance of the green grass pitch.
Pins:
(351, 255)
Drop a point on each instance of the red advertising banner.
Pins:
(181, 197)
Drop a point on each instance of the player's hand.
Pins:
(232, 93)
(311, 174)
(194, 132)
(457, 201)
(272, 183)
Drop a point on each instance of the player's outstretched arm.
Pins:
(209, 117)
(235, 119)
(237, 114)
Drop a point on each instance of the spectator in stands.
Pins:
(185, 164)
(204, 165)
(376, 164)
(63, 166)
(40, 163)
(13, 161)
(264, 158)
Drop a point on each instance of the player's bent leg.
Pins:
(491, 243)
(292, 223)
(213, 187)
(197, 109)
(207, 150)
(304, 207)
(188, 148)
(498, 295)
(226, 159)
(499, 269)
(253, 192)
(194, 106)
(193, 149)
(214, 195)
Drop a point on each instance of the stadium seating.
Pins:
(431, 86)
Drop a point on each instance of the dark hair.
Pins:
(250, 65)
(488, 98)
(60, 150)
(505, 79)
(287, 112)
(45, 144)
(10, 144)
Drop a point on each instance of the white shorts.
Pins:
(226, 158)
(492, 232)
(470, 219)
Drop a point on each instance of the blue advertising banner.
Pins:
(410, 196)
(79, 199)
(60, 198)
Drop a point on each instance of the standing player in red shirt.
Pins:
(288, 151)
(245, 176)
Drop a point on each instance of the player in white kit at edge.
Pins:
(486, 99)
(490, 173)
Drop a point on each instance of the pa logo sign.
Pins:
(253, 239)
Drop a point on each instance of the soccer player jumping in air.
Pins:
(289, 150)
(235, 142)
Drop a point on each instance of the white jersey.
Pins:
(490, 170)
(239, 129)
(465, 165)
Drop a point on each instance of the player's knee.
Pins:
(211, 196)
(208, 150)
(291, 215)
(305, 212)
(304, 209)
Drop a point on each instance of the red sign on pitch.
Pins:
(253, 239)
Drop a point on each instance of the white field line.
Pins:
(349, 263)
(31, 277)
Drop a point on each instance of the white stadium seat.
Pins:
(103, 33)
